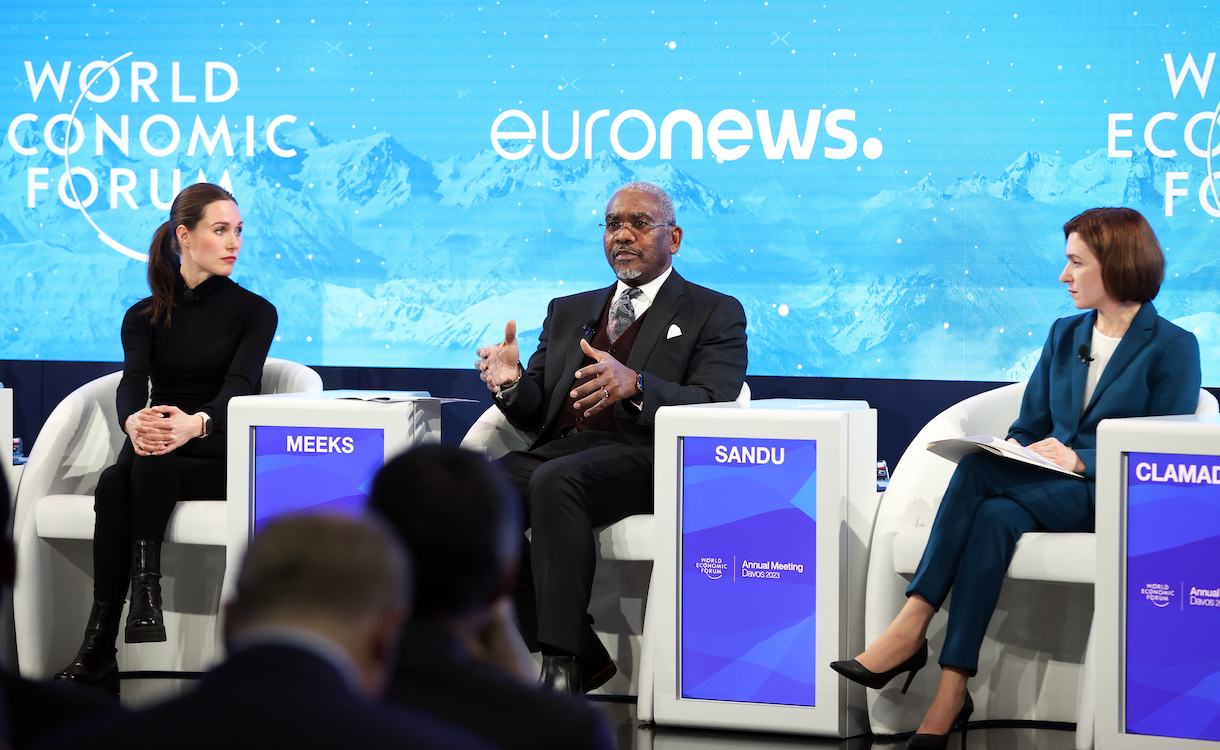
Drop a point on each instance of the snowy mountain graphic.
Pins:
(1096, 180)
(377, 256)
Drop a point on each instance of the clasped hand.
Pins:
(1053, 450)
(157, 430)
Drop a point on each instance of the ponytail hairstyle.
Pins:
(165, 256)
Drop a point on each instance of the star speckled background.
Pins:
(918, 237)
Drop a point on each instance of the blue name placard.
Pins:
(748, 570)
(1172, 680)
(323, 469)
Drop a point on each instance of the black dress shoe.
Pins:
(941, 741)
(561, 674)
(855, 671)
(599, 678)
(598, 668)
(96, 664)
(145, 618)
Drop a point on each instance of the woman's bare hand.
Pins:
(1052, 449)
(158, 430)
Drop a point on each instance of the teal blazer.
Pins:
(1154, 372)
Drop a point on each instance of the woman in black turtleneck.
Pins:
(201, 339)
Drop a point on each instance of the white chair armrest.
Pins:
(199, 522)
(286, 376)
(492, 435)
(632, 538)
(71, 517)
(64, 517)
(1068, 557)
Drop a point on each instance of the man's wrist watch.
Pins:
(207, 424)
(639, 386)
(506, 388)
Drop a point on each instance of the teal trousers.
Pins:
(990, 503)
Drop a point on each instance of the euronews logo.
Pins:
(729, 134)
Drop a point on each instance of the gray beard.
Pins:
(627, 274)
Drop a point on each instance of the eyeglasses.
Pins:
(637, 226)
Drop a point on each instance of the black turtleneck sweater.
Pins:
(212, 350)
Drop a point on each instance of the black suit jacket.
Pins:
(436, 675)
(691, 349)
(274, 696)
(36, 710)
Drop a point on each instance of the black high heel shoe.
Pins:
(941, 741)
(855, 671)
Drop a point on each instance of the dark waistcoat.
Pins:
(569, 419)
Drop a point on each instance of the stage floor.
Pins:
(632, 735)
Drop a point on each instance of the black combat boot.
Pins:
(96, 663)
(145, 620)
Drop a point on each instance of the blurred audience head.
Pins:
(1132, 262)
(461, 521)
(346, 579)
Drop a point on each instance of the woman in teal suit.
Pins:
(1120, 360)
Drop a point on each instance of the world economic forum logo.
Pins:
(712, 567)
(1160, 594)
(115, 141)
(1162, 133)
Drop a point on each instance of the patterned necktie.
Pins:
(622, 313)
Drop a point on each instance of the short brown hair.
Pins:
(1132, 262)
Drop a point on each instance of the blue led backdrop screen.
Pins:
(1172, 685)
(882, 185)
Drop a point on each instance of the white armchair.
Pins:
(1035, 663)
(53, 531)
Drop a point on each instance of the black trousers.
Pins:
(570, 485)
(134, 499)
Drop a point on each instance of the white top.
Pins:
(641, 303)
(1101, 348)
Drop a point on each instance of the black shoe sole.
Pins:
(594, 681)
(109, 684)
(145, 635)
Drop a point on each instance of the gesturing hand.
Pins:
(1052, 449)
(499, 364)
(610, 381)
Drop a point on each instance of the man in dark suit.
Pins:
(311, 637)
(606, 361)
(461, 658)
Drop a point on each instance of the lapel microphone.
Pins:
(1083, 354)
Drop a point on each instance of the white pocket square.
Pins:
(673, 332)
